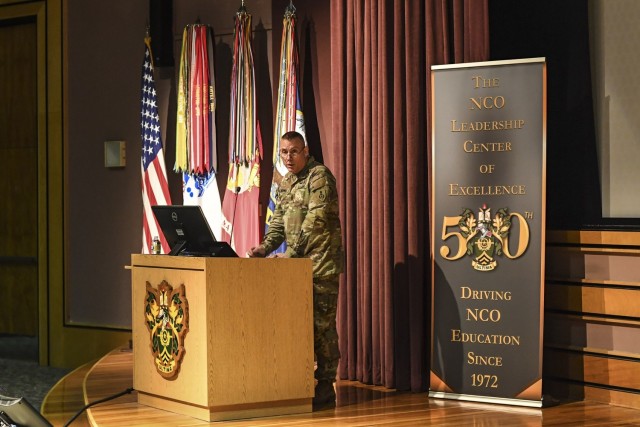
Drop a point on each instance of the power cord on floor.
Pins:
(106, 399)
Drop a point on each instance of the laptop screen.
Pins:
(187, 232)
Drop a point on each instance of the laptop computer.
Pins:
(187, 231)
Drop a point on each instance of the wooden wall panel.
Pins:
(18, 303)
(18, 178)
(589, 264)
(582, 391)
(592, 333)
(595, 369)
(593, 299)
(592, 316)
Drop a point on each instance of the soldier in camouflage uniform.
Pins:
(306, 217)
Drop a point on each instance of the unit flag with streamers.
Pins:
(196, 146)
(289, 115)
(241, 224)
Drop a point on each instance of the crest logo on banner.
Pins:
(484, 237)
(167, 318)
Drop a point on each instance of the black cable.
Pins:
(85, 407)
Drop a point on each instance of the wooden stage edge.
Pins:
(357, 405)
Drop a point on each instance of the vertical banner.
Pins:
(488, 226)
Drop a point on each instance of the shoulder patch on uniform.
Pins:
(318, 182)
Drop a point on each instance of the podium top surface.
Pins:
(202, 263)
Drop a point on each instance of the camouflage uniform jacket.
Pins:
(306, 216)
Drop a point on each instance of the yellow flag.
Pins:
(181, 164)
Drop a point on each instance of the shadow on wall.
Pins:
(166, 83)
(559, 32)
(265, 112)
(223, 66)
(307, 69)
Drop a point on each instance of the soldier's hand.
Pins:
(280, 255)
(256, 252)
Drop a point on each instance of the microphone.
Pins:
(233, 218)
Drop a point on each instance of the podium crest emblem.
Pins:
(167, 319)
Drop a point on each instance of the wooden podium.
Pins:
(248, 349)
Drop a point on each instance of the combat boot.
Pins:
(325, 396)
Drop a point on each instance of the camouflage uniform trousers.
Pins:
(325, 335)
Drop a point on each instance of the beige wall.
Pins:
(614, 39)
(102, 55)
(104, 48)
(103, 217)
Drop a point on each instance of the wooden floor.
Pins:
(358, 405)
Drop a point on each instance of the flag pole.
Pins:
(290, 10)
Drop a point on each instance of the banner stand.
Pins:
(488, 180)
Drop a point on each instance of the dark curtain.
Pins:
(382, 51)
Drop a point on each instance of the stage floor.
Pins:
(357, 405)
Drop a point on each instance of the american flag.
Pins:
(155, 190)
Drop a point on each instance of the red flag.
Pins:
(241, 225)
(196, 133)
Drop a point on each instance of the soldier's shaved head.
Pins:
(293, 152)
(293, 135)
